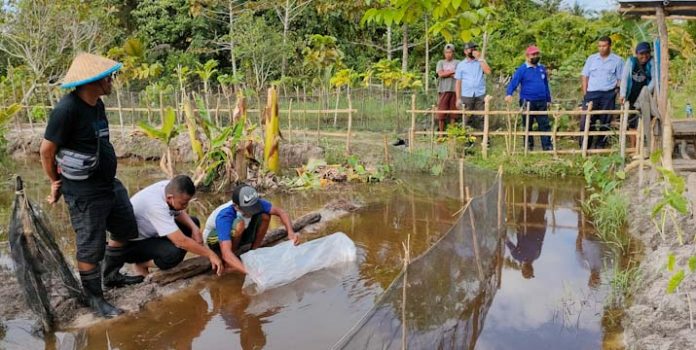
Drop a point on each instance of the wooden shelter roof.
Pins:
(674, 9)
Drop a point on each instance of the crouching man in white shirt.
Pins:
(165, 231)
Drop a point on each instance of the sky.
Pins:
(597, 5)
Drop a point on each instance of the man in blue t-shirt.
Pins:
(241, 221)
(535, 93)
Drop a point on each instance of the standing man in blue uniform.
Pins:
(471, 82)
(601, 76)
(535, 91)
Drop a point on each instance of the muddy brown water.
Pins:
(554, 274)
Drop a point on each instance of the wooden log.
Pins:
(412, 135)
(350, 124)
(199, 265)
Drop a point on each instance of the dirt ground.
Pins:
(136, 145)
(655, 319)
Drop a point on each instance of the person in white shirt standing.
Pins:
(165, 230)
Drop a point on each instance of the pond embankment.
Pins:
(657, 319)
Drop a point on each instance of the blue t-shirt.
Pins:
(226, 218)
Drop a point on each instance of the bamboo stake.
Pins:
(407, 261)
(526, 130)
(350, 124)
(133, 113)
(461, 180)
(432, 128)
(29, 117)
(217, 109)
(412, 135)
(484, 144)
(290, 121)
(386, 151)
(149, 111)
(120, 111)
(586, 131)
(474, 238)
(514, 128)
(622, 131)
(662, 99)
(338, 95)
(554, 138)
(161, 105)
(508, 137)
(641, 153)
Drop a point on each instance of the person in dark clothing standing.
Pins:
(638, 73)
(535, 91)
(80, 161)
(531, 232)
(601, 77)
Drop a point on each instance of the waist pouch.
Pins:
(76, 165)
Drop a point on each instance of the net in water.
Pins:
(448, 289)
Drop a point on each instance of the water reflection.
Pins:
(560, 308)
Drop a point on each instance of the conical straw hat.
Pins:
(87, 68)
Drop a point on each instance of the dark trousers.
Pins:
(601, 100)
(92, 217)
(475, 103)
(159, 249)
(542, 123)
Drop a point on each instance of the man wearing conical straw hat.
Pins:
(80, 161)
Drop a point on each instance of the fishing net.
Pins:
(37, 259)
(441, 299)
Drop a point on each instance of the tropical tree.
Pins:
(164, 134)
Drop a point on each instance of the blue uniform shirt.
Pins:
(534, 81)
(471, 75)
(227, 216)
(604, 73)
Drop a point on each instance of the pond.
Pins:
(550, 291)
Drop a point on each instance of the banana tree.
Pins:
(164, 134)
(272, 136)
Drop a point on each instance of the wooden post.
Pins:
(526, 130)
(161, 106)
(640, 145)
(508, 137)
(484, 143)
(338, 95)
(133, 111)
(461, 180)
(586, 131)
(412, 134)
(290, 121)
(149, 110)
(350, 124)
(514, 132)
(120, 111)
(432, 128)
(554, 139)
(662, 99)
(622, 131)
(217, 109)
(386, 151)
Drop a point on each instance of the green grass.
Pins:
(609, 213)
(622, 284)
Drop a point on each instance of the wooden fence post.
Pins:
(350, 123)
(120, 111)
(386, 151)
(290, 121)
(484, 143)
(526, 129)
(554, 139)
(133, 111)
(432, 128)
(586, 130)
(622, 131)
(461, 180)
(161, 105)
(508, 137)
(412, 134)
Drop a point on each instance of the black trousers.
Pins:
(601, 100)
(159, 249)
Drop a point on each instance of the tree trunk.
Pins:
(389, 43)
(404, 49)
(233, 58)
(286, 27)
(427, 57)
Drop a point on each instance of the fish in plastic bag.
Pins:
(275, 266)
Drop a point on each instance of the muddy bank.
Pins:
(655, 319)
(15, 317)
(134, 144)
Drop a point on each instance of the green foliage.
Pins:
(675, 281)
(602, 173)
(692, 264)
(6, 116)
(671, 260)
(423, 160)
(622, 283)
(166, 132)
(609, 213)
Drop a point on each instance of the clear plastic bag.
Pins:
(281, 264)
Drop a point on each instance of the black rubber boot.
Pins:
(92, 285)
(113, 261)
